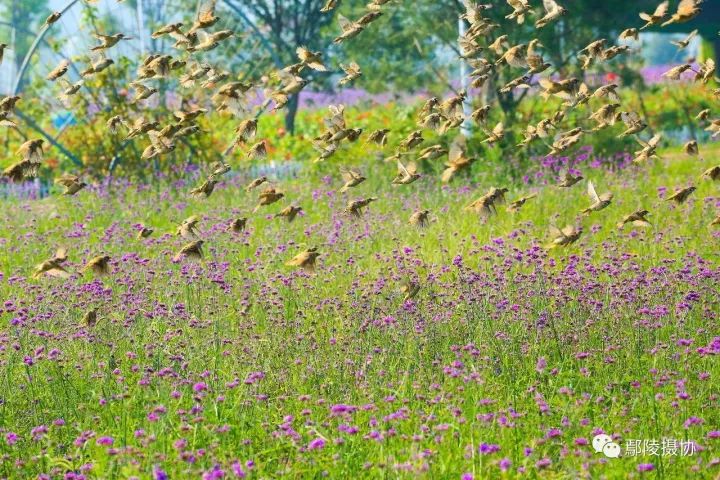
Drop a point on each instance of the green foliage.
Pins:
(27, 14)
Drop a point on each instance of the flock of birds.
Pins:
(480, 48)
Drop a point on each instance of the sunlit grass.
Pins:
(430, 380)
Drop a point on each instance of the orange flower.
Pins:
(269, 147)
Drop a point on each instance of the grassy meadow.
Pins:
(506, 364)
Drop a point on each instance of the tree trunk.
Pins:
(291, 113)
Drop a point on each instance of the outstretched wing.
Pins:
(67, 179)
(207, 11)
(458, 147)
(555, 231)
(568, 231)
(140, 88)
(593, 194)
(352, 69)
(687, 7)
(402, 170)
(662, 9)
(158, 141)
(692, 35)
(550, 6)
(61, 254)
(545, 83)
(337, 120)
(630, 118)
(345, 24)
(349, 174)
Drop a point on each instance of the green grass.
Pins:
(339, 337)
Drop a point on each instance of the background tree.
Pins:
(283, 26)
(26, 14)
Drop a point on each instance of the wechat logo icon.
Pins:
(603, 443)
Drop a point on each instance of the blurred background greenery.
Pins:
(410, 55)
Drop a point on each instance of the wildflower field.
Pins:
(507, 362)
(359, 239)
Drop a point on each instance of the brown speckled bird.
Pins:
(686, 11)
(599, 202)
(349, 29)
(329, 5)
(421, 218)
(289, 213)
(90, 317)
(637, 219)
(53, 18)
(259, 150)
(206, 17)
(714, 126)
(352, 73)
(53, 266)
(99, 265)
(494, 136)
(563, 238)
(432, 152)
(516, 205)
(238, 225)
(58, 71)
(406, 174)
(205, 189)
(192, 251)
(649, 149)
(72, 183)
(553, 11)
(305, 260)
(7, 104)
(188, 227)
(712, 173)
(19, 171)
(680, 196)
(409, 289)
(256, 183)
(32, 150)
(379, 137)
(630, 33)
(169, 29)
(355, 207)
(692, 148)
(675, 72)
(268, 197)
(458, 159)
(144, 232)
(486, 204)
(108, 41)
(411, 141)
(311, 59)
(246, 130)
(656, 17)
(352, 178)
